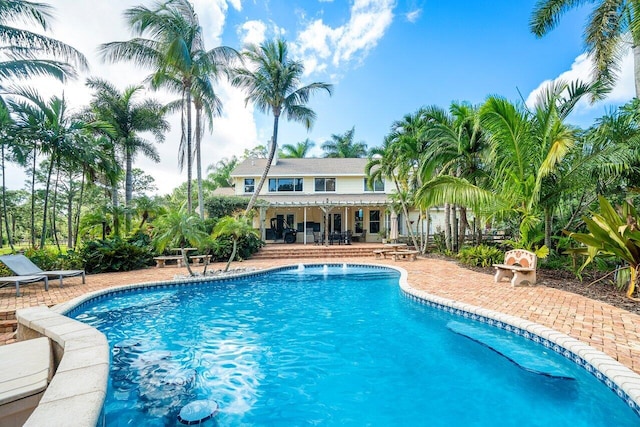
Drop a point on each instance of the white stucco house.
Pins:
(304, 192)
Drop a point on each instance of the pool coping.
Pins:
(75, 340)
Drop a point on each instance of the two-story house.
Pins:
(311, 193)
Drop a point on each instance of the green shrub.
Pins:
(247, 246)
(51, 259)
(116, 254)
(48, 259)
(481, 256)
(221, 206)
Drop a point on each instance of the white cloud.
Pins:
(320, 45)
(581, 69)
(414, 15)
(252, 32)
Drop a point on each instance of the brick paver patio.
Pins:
(614, 331)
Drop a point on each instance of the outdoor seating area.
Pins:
(519, 267)
(161, 261)
(334, 238)
(17, 280)
(404, 255)
(26, 272)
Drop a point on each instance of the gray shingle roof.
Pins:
(302, 167)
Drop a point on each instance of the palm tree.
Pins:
(272, 82)
(177, 228)
(128, 118)
(398, 160)
(6, 135)
(605, 34)
(526, 148)
(236, 228)
(220, 173)
(458, 148)
(147, 208)
(343, 146)
(298, 151)
(175, 51)
(20, 47)
(49, 124)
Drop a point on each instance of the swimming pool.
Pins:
(334, 346)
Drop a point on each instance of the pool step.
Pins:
(530, 360)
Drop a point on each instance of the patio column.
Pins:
(263, 231)
(304, 227)
(346, 218)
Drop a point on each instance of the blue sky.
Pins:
(385, 58)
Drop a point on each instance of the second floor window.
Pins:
(249, 185)
(285, 184)
(325, 184)
(376, 186)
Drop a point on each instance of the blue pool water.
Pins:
(335, 347)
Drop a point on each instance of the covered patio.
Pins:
(324, 216)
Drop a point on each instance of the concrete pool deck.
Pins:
(613, 331)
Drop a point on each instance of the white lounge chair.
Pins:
(17, 280)
(22, 266)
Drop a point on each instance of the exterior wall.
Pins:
(344, 185)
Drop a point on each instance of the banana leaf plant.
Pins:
(613, 234)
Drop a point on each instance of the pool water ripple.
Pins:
(314, 347)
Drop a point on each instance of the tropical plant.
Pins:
(343, 146)
(298, 151)
(21, 48)
(235, 228)
(613, 234)
(116, 254)
(480, 256)
(176, 229)
(6, 135)
(128, 118)
(51, 129)
(220, 173)
(606, 34)
(526, 149)
(272, 82)
(170, 41)
(221, 206)
(458, 147)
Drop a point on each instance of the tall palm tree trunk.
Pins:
(464, 226)
(403, 203)
(33, 200)
(547, 227)
(70, 213)
(272, 153)
(78, 209)
(4, 200)
(447, 226)
(128, 189)
(636, 66)
(54, 203)
(188, 154)
(46, 201)
(233, 254)
(199, 160)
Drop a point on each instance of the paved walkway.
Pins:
(607, 328)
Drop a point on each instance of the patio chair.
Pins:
(17, 280)
(318, 239)
(22, 266)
